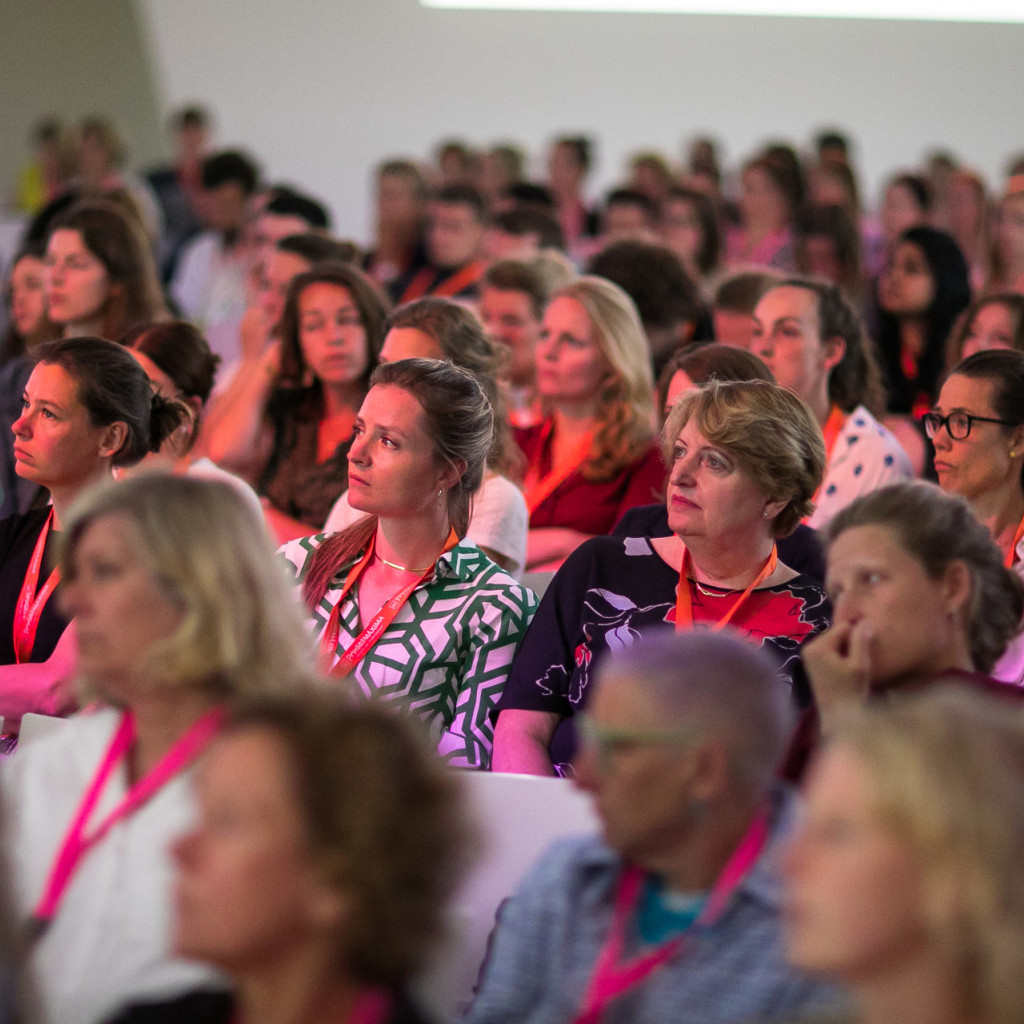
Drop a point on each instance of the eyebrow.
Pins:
(48, 402)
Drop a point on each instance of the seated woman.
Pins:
(87, 409)
(180, 606)
(920, 592)
(691, 368)
(594, 456)
(400, 602)
(1006, 267)
(290, 421)
(921, 291)
(977, 428)
(434, 328)
(745, 459)
(993, 321)
(25, 302)
(354, 837)
(178, 361)
(904, 880)
(770, 200)
(814, 343)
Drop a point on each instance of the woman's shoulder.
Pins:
(467, 566)
(298, 552)
(18, 527)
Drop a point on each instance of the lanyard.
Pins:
(357, 650)
(612, 974)
(537, 488)
(80, 838)
(372, 1006)
(449, 288)
(684, 602)
(831, 430)
(1011, 557)
(29, 609)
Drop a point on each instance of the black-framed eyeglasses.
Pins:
(958, 424)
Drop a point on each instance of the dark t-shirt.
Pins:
(612, 589)
(18, 536)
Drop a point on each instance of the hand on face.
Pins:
(838, 663)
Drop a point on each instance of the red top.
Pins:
(592, 507)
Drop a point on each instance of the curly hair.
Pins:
(386, 823)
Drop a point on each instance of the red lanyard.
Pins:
(357, 650)
(1011, 557)
(29, 609)
(612, 975)
(537, 488)
(449, 288)
(78, 841)
(684, 602)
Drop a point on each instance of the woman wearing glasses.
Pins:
(977, 428)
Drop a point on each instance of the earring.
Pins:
(764, 514)
(1013, 453)
(440, 495)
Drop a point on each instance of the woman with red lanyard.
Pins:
(745, 459)
(87, 408)
(354, 835)
(594, 456)
(405, 609)
(180, 606)
(977, 428)
(812, 340)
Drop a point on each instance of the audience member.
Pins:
(87, 408)
(457, 163)
(100, 275)
(454, 246)
(920, 592)
(828, 246)
(768, 205)
(666, 298)
(690, 228)
(650, 174)
(969, 222)
(922, 290)
(674, 913)
(400, 602)
(903, 882)
(977, 429)
(1006, 266)
(180, 607)
(733, 304)
(907, 204)
(628, 214)
(814, 343)
(25, 299)
(570, 160)
(442, 329)
(993, 321)
(353, 836)
(46, 177)
(290, 421)
(594, 455)
(522, 233)
(401, 213)
(745, 459)
(501, 168)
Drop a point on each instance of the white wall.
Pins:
(321, 90)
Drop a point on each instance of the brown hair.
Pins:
(458, 419)
(770, 432)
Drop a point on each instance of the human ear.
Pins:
(114, 437)
(957, 583)
(833, 349)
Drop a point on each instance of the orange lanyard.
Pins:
(359, 647)
(536, 487)
(80, 839)
(449, 288)
(684, 602)
(831, 430)
(1011, 557)
(29, 609)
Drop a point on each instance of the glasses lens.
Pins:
(959, 425)
(932, 423)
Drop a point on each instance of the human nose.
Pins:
(358, 450)
(682, 471)
(20, 427)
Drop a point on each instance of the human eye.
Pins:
(713, 460)
(349, 319)
(389, 442)
(358, 430)
(959, 422)
(758, 331)
(678, 451)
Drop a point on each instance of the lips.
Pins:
(358, 480)
(681, 501)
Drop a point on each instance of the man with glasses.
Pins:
(673, 913)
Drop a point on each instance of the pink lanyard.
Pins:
(612, 976)
(29, 609)
(357, 650)
(77, 842)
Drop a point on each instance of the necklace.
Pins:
(401, 568)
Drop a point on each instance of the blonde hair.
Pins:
(946, 770)
(625, 412)
(242, 631)
(770, 432)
